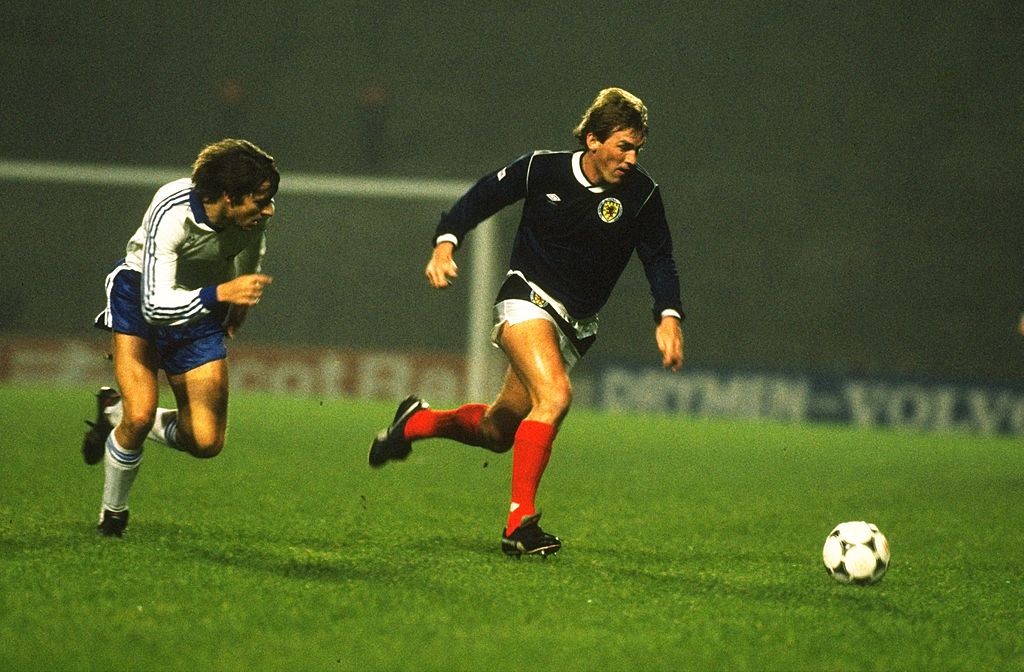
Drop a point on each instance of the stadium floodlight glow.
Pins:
(482, 280)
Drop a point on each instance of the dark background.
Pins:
(843, 179)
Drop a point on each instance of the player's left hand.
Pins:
(669, 336)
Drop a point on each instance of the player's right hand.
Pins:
(441, 269)
(245, 290)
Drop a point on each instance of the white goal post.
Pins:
(481, 245)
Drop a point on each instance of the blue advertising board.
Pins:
(863, 402)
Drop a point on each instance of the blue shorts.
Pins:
(181, 348)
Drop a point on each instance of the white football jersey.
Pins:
(179, 252)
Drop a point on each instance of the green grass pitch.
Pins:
(688, 544)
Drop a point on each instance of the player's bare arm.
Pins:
(441, 269)
(245, 290)
(669, 336)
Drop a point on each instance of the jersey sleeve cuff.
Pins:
(669, 312)
(446, 238)
(208, 297)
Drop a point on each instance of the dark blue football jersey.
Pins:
(574, 238)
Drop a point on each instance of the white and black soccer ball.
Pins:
(856, 552)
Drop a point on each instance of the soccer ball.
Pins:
(856, 552)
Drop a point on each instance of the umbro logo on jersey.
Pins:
(553, 198)
(609, 210)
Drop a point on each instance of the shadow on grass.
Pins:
(302, 556)
(297, 556)
(747, 578)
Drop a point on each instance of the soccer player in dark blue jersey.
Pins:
(585, 213)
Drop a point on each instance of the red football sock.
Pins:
(530, 454)
(459, 424)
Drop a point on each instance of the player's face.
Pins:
(608, 161)
(252, 209)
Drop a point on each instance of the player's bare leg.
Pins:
(139, 416)
(202, 413)
(135, 367)
(197, 426)
(539, 376)
(497, 428)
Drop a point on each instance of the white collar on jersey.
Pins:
(577, 171)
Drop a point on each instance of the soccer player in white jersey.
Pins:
(584, 215)
(190, 274)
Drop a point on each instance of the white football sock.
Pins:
(114, 413)
(165, 424)
(121, 467)
(165, 427)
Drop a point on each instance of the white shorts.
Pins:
(520, 300)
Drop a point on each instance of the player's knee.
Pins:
(497, 429)
(207, 445)
(553, 405)
(500, 443)
(137, 423)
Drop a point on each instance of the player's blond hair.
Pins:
(233, 167)
(613, 110)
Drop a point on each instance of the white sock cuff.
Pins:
(121, 458)
(171, 432)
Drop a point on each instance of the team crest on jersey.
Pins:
(537, 299)
(609, 210)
